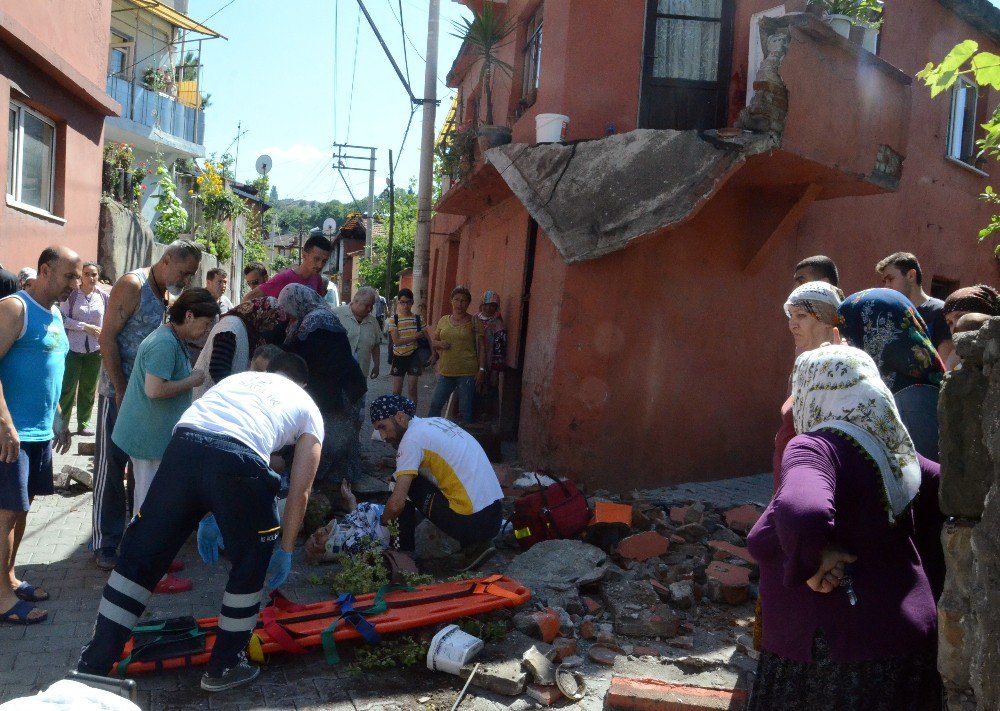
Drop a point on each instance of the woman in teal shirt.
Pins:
(159, 388)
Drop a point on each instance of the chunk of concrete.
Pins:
(559, 565)
(637, 611)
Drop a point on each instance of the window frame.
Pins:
(16, 159)
(531, 71)
(957, 121)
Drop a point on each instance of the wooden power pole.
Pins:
(387, 293)
(425, 186)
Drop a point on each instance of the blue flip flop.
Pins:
(22, 609)
(29, 593)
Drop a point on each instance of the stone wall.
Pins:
(126, 242)
(969, 609)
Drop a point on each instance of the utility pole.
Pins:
(370, 237)
(392, 229)
(425, 185)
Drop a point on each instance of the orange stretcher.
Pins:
(285, 626)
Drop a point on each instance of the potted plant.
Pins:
(455, 153)
(157, 79)
(843, 14)
(484, 34)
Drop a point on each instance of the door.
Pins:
(688, 56)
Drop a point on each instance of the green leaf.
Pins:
(943, 76)
(986, 68)
(959, 55)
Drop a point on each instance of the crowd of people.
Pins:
(851, 564)
(218, 419)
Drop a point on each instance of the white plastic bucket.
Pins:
(550, 128)
(451, 649)
(841, 24)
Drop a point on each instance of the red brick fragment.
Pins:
(677, 514)
(733, 581)
(587, 629)
(643, 546)
(725, 550)
(592, 605)
(742, 518)
(676, 540)
(630, 694)
(546, 695)
(564, 647)
(548, 624)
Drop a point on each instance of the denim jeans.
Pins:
(446, 385)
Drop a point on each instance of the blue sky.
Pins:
(277, 73)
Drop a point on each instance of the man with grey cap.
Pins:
(442, 472)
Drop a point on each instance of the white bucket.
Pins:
(841, 24)
(550, 128)
(451, 649)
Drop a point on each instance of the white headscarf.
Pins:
(839, 388)
(818, 298)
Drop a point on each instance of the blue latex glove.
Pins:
(279, 568)
(209, 540)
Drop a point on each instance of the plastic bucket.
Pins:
(550, 128)
(451, 649)
(841, 24)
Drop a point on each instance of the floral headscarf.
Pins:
(839, 388)
(885, 325)
(263, 319)
(495, 331)
(309, 309)
(979, 299)
(819, 299)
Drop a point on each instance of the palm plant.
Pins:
(485, 33)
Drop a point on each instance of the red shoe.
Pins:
(175, 566)
(172, 584)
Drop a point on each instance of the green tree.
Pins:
(171, 216)
(983, 68)
(372, 271)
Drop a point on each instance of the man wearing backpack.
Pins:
(410, 341)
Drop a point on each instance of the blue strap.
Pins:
(354, 618)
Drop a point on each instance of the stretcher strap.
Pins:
(279, 634)
(353, 618)
(488, 586)
(122, 666)
(284, 604)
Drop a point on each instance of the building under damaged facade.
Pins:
(643, 263)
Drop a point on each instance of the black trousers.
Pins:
(426, 498)
(199, 473)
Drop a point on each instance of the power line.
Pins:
(354, 72)
(336, 63)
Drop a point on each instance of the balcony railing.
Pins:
(156, 110)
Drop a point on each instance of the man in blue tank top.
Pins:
(33, 347)
(135, 309)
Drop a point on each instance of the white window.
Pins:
(31, 150)
(962, 128)
(532, 54)
(120, 56)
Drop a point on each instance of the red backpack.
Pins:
(557, 511)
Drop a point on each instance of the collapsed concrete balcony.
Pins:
(828, 120)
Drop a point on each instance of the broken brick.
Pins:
(727, 583)
(546, 695)
(630, 694)
(743, 518)
(608, 512)
(725, 550)
(564, 647)
(643, 546)
(678, 514)
(675, 539)
(587, 629)
(592, 605)
(543, 625)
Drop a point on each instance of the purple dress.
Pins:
(831, 494)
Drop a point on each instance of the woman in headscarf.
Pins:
(495, 333)
(980, 301)
(813, 320)
(849, 557)
(885, 325)
(336, 382)
(236, 336)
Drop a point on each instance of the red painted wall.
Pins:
(668, 361)
(77, 33)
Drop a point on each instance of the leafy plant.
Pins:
(157, 79)
(485, 33)
(486, 630)
(171, 217)
(983, 68)
(372, 271)
(868, 12)
(390, 654)
(119, 155)
(214, 239)
(360, 573)
(455, 153)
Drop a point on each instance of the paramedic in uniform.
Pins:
(217, 461)
(442, 472)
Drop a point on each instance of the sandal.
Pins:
(170, 584)
(29, 593)
(18, 615)
(175, 566)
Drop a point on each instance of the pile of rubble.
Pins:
(654, 605)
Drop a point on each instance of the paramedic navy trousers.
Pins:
(199, 473)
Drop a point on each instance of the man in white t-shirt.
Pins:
(442, 472)
(217, 462)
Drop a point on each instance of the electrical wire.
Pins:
(336, 63)
(354, 72)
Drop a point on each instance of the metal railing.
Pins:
(156, 110)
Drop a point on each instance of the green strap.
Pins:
(122, 666)
(378, 606)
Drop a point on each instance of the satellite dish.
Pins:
(329, 226)
(264, 164)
